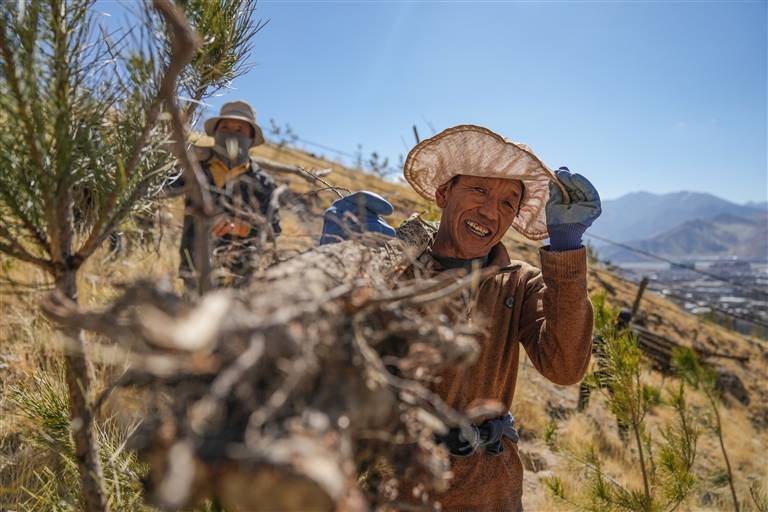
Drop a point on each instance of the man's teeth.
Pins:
(478, 229)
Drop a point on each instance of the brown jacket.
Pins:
(546, 311)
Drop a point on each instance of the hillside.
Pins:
(30, 350)
(538, 402)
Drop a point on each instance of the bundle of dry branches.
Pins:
(308, 390)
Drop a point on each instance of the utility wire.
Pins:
(339, 151)
(680, 265)
(327, 148)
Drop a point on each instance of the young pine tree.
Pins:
(82, 145)
(665, 466)
(703, 378)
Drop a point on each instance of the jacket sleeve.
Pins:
(556, 316)
(263, 193)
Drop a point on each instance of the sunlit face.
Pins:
(234, 127)
(476, 213)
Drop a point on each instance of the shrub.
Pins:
(52, 481)
(665, 465)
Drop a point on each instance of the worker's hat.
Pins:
(477, 151)
(241, 111)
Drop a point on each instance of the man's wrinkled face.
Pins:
(477, 212)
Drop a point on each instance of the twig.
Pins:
(205, 411)
(323, 189)
(421, 288)
(310, 176)
(184, 44)
(448, 291)
(379, 373)
(15, 250)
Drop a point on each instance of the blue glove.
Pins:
(360, 211)
(567, 223)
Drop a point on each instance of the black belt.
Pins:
(488, 435)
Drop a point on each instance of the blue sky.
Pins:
(656, 96)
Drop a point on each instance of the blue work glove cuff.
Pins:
(334, 232)
(565, 237)
(355, 213)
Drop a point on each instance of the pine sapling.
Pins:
(83, 143)
(678, 451)
(703, 378)
(665, 466)
(627, 398)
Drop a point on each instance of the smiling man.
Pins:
(484, 185)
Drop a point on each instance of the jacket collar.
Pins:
(221, 172)
(497, 257)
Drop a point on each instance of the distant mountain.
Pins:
(643, 215)
(761, 205)
(724, 236)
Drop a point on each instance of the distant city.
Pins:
(740, 304)
(676, 239)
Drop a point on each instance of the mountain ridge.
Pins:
(724, 236)
(643, 215)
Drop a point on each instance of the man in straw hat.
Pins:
(240, 191)
(484, 184)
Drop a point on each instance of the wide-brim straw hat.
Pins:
(477, 151)
(241, 111)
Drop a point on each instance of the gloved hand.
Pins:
(567, 223)
(358, 212)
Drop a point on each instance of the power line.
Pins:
(327, 148)
(342, 152)
(680, 265)
(294, 138)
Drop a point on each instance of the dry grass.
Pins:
(29, 347)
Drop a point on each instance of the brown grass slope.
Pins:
(30, 348)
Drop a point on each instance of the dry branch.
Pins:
(273, 166)
(287, 392)
(314, 177)
(184, 44)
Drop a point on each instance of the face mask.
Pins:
(233, 148)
